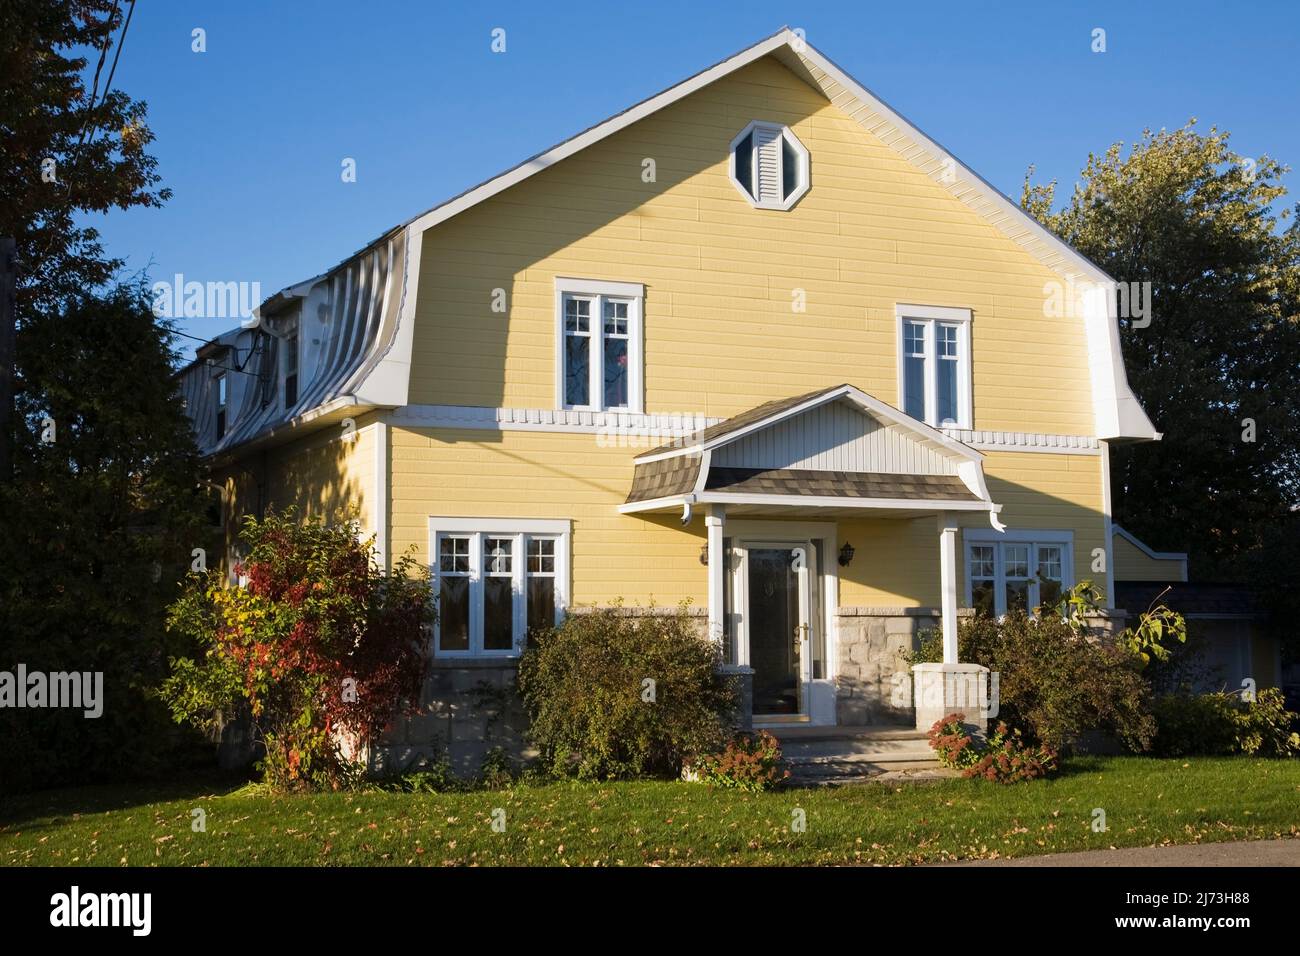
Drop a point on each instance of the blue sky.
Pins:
(251, 134)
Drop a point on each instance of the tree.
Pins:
(97, 529)
(1218, 368)
(64, 151)
(323, 646)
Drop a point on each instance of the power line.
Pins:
(121, 42)
(94, 87)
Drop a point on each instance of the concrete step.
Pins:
(850, 759)
(819, 756)
(885, 745)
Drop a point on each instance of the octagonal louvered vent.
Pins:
(769, 165)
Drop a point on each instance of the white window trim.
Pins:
(520, 529)
(931, 316)
(296, 337)
(635, 291)
(802, 181)
(978, 536)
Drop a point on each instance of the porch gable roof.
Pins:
(833, 449)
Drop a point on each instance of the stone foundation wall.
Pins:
(872, 642)
(467, 708)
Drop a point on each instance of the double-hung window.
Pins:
(290, 346)
(599, 365)
(219, 384)
(1019, 570)
(496, 582)
(934, 364)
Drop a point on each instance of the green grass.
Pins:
(1147, 802)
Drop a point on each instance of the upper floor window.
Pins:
(219, 384)
(599, 364)
(769, 165)
(290, 344)
(1021, 570)
(497, 582)
(934, 364)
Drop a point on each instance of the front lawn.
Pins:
(1146, 802)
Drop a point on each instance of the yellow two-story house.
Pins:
(756, 343)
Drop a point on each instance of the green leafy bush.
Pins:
(609, 695)
(1222, 724)
(749, 762)
(322, 646)
(1056, 684)
(1004, 758)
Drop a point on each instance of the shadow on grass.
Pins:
(21, 809)
(1079, 764)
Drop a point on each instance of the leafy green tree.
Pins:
(65, 150)
(1218, 368)
(97, 529)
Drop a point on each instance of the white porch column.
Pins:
(948, 584)
(715, 521)
(951, 687)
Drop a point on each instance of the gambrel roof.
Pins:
(377, 374)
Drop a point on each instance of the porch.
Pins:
(777, 488)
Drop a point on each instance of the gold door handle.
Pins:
(799, 633)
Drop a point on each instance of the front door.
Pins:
(778, 619)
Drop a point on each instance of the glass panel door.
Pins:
(778, 626)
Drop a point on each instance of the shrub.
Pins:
(612, 696)
(1055, 684)
(497, 771)
(952, 743)
(321, 644)
(749, 762)
(1222, 724)
(1005, 757)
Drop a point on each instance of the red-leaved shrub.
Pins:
(1005, 757)
(322, 646)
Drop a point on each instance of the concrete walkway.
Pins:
(1247, 853)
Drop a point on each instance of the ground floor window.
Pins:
(1022, 571)
(496, 582)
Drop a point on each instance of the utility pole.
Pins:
(8, 329)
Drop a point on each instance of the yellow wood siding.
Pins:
(460, 473)
(322, 475)
(897, 562)
(512, 474)
(1133, 564)
(720, 334)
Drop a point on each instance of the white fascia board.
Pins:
(797, 502)
(1116, 411)
(389, 381)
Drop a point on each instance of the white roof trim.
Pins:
(804, 501)
(1116, 410)
(868, 403)
(1155, 555)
